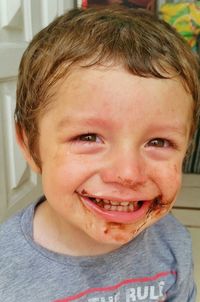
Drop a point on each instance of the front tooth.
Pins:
(113, 208)
(107, 206)
(131, 207)
(114, 203)
(125, 203)
(106, 201)
(97, 199)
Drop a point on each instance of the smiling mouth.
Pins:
(119, 206)
(120, 211)
(124, 206)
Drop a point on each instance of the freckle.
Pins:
(175, 168)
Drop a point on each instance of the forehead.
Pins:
(114, 94)
(94, 79)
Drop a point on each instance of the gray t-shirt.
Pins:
(155, 266)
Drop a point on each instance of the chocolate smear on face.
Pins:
(155, 209)
(84, 192)
(156, 205)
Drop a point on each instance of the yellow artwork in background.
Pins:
(185, 17)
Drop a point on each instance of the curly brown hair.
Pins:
(136, 39)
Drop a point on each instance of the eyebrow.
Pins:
(67, 120)
(179, 128)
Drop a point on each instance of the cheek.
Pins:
(168, 180)
(172, 182)
(63, 175)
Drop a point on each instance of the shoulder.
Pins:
(172, 245)
(10, 228)
(171, 228)
(18, 225)
(10, 246)
(12, 235)
(170, 234)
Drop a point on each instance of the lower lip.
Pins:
(116, 216)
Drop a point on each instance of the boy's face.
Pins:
(112, 147)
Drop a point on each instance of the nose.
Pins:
(125, 167)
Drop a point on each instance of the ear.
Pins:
(22, 142)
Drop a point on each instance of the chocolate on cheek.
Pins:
(150, 219)
(168, 186)
(84, 192)
(114, 225)
(123, 233)
(114, 232)
(158, 209)
(118, 232)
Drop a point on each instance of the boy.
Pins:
(107, 103)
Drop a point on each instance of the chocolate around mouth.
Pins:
(125, 206)
(157, 204)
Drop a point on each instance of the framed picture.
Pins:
(146, 4)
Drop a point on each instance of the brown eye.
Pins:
(159, 143)
(90, 137)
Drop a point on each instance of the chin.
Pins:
(118, 234)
